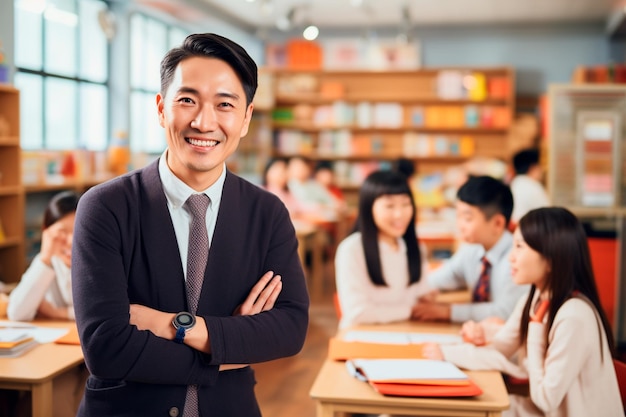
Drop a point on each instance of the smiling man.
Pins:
(174, 301)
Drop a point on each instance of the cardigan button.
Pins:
(174, 412)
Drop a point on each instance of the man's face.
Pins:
(204, 114)
(473, 226)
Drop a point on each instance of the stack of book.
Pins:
(14, 342)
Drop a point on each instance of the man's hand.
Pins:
(431, 311)
(262, 296)
(158, 322)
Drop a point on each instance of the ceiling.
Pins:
(255, 14)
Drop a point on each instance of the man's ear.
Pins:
(246, 121)
(160, 102)
(499, 221)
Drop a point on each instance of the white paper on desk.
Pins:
(46, 334)
(40, 334)
(379, 370)
(442, 339)
(388, 338)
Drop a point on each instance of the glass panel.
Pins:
(93, 42)
(137, 60)
(61, 23)
(146, 135)
(61, 111)
(155, 49)
(28, 39)
(94, 117)
(31, 116)
(177, 36)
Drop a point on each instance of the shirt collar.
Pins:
(500, 249)
(177, 192)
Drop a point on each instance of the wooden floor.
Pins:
(283, 385)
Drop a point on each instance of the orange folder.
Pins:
(70, 338)
(339, 350)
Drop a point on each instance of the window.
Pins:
(150, 40)
(62, 71)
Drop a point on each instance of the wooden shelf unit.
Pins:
(11, 191)
(303, 100)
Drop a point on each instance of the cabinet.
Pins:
(11, 190)
(587, 174)
(362, 119)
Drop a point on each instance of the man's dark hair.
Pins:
(210, 45)
(524, 160)
(489, 195)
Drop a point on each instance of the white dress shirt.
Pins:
(177, 193)
(463, 270)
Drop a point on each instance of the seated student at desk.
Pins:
(45, 289)
(379, 266)
(484, 207)
(559, 331)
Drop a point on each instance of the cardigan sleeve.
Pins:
(553, 368)
(30, 292)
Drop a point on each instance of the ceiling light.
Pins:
(310, 33)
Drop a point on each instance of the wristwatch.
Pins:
(183, 322)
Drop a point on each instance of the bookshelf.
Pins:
(361, 119)
(11, 190)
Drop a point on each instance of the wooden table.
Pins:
(34, 370)
(336, 391)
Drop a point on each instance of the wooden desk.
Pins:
(336, 391)
(35, 370)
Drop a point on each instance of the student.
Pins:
(309, 193)
(528, 192)
(275, 181)
(324, 175)
(559, 331)
(483, 207)
(169, 305)
(45, 289)
(379, 266)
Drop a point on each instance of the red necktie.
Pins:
(482, 291)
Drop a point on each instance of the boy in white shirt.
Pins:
(481, 265)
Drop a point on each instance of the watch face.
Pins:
(185, 320)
